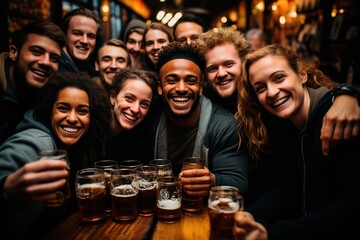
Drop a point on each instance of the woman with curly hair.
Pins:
(73, 114)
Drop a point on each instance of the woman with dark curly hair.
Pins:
(72, 113)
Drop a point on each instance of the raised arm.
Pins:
(342, 121)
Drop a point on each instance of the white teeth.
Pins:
(129, 117)
(180, 99)
(223, 82)
(40, 73)
(279, 101)
(69, 129)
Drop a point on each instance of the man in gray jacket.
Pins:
(191, 125)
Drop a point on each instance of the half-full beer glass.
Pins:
(191, 204)
(124, 191)
(168, 198)
(146, 200)
(108, 167)
(64, 193)
(90, 193)
(223, 203)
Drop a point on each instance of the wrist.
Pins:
(345, 90)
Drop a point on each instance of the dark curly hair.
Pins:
(92, 146)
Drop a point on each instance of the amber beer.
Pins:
(224, 202)
(168, 210)
(191, 204)
(147, 201)
(124, 203)
(91, 200)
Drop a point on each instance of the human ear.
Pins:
(13, 52)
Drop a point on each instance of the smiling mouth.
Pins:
(41, 73)
(70, 129)
(129, 117)
(279, 102)
(223, 82)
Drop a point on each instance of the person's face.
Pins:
(279, 89)
(81, 37)
(37, 60)
(181, 86)
(71, 116)
(154, 40)
(223, 67)
(187, 32)
(132, 103)
(134, 46)
(256, 43)
(111, 60)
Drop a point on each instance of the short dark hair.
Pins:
(176, 50)
(82, 12)
(39, 27)
(189, 17)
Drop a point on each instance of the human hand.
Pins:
(341, 122)
(197, 182)
(36, 181)
(246, 228)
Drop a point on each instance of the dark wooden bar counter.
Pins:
(187, 228)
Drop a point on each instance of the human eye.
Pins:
(279, 77)
(106, 59)
(182, 40)
(77, 33)
(129, 98)
(259, 88)
(192, 80)
(149, 43)
(62, 108)
(145, 105)
(121, 60)
(91, 36)
(83, 110)
(55, 58)
(36, 51)
(211, 69)
(170, 80)
(229, 64)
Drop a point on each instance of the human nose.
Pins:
(272, 90)
(113, 64)
(84, 39)
(44, 60)
(71, 117)
(137, 47)
(188, 40)
(181, 86)
(135, 107)
(221, 72)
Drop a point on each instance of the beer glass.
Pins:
(223, 202)
(168, 198)
(90, 193)
(191, 204)
(130, 164)
(146, 200)
(124, 190)
(107, 166)
(163, 165)
(64, 193)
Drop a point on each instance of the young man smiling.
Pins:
(33, 57)
(80, 27)
(191, 125)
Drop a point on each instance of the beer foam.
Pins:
(88, 190)
(224, 205)
(169, 204)
(124, 191)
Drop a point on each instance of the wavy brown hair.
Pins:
(251, 115)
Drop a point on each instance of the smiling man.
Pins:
(191, 125)
(80, 27)
(33, 57)
(112, 57)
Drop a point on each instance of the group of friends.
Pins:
(263, 121)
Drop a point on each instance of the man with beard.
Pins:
(33, 56)
(133, 37)
(191, 125)
(80, 27)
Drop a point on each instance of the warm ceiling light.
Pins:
(274, 7)
(282, 20)
(160, 15)
(167, 17)
(224, 19)
(176, 18)
(105, 8)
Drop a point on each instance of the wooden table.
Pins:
(188, 227)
